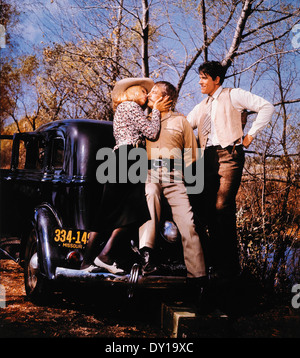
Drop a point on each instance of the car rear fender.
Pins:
(46, 219)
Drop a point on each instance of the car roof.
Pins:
(67, 124)
(84, 137)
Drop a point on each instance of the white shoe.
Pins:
(91, 268)
(110, 268)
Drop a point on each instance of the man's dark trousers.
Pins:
(216, 206)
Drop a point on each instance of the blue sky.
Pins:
(35, 22)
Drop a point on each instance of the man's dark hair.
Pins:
(168, 90)
(213, 69)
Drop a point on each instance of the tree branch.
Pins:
(199, 51)
(262, 43)
(269, 23)
(237, 38)
(204, 28)
(262, 59)
(287, 102)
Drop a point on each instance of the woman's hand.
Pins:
(163, 104)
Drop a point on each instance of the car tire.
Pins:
(37, 286)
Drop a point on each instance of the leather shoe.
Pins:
(147, 262)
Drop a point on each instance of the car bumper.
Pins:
(134, 279)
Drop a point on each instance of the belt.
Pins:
(163, 163)
(229, 148)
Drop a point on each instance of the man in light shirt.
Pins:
(221, 139)
(176, 141)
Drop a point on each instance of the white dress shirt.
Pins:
(240, 100)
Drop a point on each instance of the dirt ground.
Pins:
(85, 313)
(77, 313)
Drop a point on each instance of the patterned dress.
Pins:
(131, 125)
(124, 204)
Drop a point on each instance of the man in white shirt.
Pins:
(220, 132)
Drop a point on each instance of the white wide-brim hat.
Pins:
(122, 85)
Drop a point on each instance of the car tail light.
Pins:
(73, 257)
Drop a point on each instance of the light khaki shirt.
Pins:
(176, 140)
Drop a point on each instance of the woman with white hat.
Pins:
(123, 206)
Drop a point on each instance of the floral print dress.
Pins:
(124, 204)
(131, 125)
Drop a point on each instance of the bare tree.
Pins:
(229, 31)
(119, 38)
(269, 217)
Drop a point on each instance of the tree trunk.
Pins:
(145, 39)
(116, 54)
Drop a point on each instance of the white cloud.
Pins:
(39, 20)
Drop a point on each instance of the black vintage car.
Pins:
(48, 196)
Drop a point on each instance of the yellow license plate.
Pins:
(71, 238)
